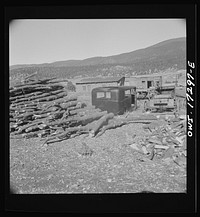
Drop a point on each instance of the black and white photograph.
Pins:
(99, 106)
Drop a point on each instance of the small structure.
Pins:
(86, 85)
(115, 99)
(144, 81)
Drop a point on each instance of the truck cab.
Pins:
(164, 99)
(115, 99)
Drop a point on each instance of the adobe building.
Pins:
(144, 81)
(86, 85)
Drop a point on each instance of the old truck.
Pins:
(164, 99)
(115, 99)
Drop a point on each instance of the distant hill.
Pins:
(164, 55)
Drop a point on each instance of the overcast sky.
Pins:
(44, 41)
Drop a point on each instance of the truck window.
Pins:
(108, 95)
(100, 95)
(132, 91)
(127, 92)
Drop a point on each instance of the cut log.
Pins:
(23, 128)
(68, 133)
(68, 104)
(61, 100)
(111, 125)
(101, 122)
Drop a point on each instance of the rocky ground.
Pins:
(91, 165)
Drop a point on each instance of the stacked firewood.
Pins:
(43, 108)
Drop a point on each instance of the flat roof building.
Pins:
(144, 81)
(86, 85)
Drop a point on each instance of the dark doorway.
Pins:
(149, 84)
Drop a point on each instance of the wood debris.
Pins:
(164, 141)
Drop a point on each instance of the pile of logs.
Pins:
(166, 140)
(43, 108)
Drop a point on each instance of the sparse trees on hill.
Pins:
(70, 86)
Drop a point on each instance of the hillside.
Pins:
(159, 57)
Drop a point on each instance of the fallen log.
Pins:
(76, 121)
(26, 95)
(52, 97)
(68, 133)
(88, 119)
(101, 122)
(43, 99)
(44, 133)
(56, 115)
(36, 84)
(118, 123)
(41, 116)
(111, 125)
(23, 128)
(83, 111)
(33, 128)
(68, 104)
(65, 115)
(58, 101)
(57, 81)
(28, 87)
(31, 98)
(57, 91)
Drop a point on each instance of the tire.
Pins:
(146, 108)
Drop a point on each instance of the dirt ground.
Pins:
(91, 165)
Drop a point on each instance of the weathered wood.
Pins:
(41, 116)
(57, 81)
(68, 104)
(50, 104)
(43, 99)
(111, 125)
(100, 123)
(76, 121)
(26, 95)
(115, 123)
(31, 98)
(58, 91)
(60, 100)
(67, 133)
(83, 111)
(23, 128)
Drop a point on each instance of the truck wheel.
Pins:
(176, 105)
(146, 106)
